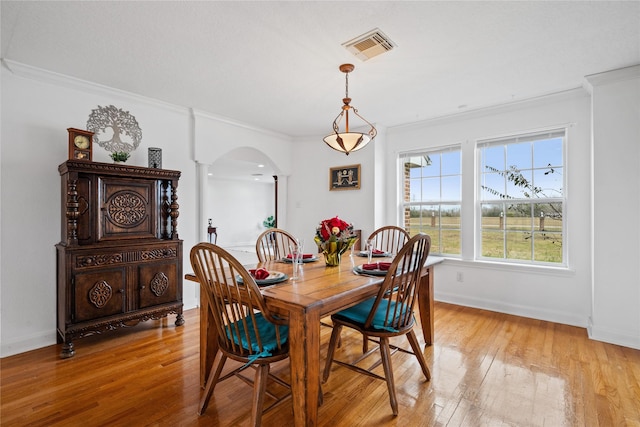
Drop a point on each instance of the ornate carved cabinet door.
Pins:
(99, 293)
(128, 209)
(157, 284)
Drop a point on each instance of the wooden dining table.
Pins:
(319, 291)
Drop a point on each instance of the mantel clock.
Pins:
(80, 144)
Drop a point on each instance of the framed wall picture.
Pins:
(344, 178)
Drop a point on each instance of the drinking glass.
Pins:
(296, 259)
(369, 245)
(300, 244)
(300, 248)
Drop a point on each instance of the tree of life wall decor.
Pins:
(114, 129)
(344, 178)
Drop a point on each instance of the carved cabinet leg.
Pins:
(179, 319)
(68, 350)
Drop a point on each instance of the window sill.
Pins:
(505, 266)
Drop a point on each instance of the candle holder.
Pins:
(155, 157)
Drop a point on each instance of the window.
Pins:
(432, 197)
(522, 198)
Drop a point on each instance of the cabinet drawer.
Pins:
(98, 294)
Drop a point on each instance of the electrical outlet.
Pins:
(459, 276)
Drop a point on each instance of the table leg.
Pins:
(425, 304)
(304, 352)
(208, 340)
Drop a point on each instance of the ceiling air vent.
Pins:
(369, 45)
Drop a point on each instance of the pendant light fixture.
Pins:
(346, 141)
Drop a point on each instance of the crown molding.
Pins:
(496, 108)
(39, 74)
(243, 125)
(51, 77)
(612, 76)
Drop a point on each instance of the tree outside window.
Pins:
(522, 198)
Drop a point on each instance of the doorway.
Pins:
(240, 195)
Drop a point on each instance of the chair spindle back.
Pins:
(273, 244)
(401, 285)
(389, 238)
(234, 300)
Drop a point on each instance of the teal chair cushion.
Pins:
(267, 331)
(358, 314)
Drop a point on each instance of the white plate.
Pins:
(365, 254)
(312, 259)
(376, 272)
(273, 277)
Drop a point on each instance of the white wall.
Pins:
(310, 200)
(559, 295)
(616, 204)
(36, 111)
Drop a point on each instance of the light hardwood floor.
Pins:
(488, 369)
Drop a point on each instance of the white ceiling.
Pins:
(275, 64)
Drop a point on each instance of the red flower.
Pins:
(326, 227)
(337, 222)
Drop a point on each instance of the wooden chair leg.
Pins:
(335, 336)
(331, 326)
(211, 382)
(385, 353)
(415, 346)
(259, 388)
(365, 344)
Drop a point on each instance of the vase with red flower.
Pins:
(334, 237)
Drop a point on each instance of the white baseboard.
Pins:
(33, 342)
(594, 333)
(516, 310)
(614, 337)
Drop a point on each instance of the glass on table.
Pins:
(297, 251)
(369, 247)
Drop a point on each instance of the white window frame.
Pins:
(563, 199)
(403, 204)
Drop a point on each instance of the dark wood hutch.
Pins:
(120, 258)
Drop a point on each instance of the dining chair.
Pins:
(389, 238)
(387, 315)
(273, 244)
(246, 331)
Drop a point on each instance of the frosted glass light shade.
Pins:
(346, 142)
